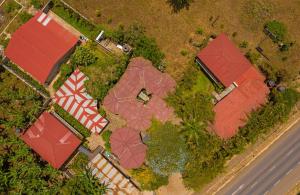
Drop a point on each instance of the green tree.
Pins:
(166, 149)
(178, 5)
(83, 56)
(278, 29)
(84, 183)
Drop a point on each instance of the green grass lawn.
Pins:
(203, 84)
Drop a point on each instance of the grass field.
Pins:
(175, 32)
(8, 10)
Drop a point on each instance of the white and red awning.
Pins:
(72, 97)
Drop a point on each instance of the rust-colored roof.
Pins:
(127, 145)
(122, 99)
(224, 60)
(38, 45)
(53, 141)
(231, 112)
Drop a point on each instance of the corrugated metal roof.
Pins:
(38, 45)
(72, 97)
(224, 60)
(51, 140)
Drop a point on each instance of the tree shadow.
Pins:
(178, 5)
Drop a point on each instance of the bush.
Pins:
(244, 44)
(200, 31)
(143, 46)
(183, 52)
(24, 17)
(37, 4)
(72, 121)
(65, 71)
(253, 57)
(278, 29)
(147, 179)
(106, 137)
(83, 56)
(11, 6)
(28, 78)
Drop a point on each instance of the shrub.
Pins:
(243, 44)
(200, 31)
(11, 6)
(183, 52)
(24, 17)
(83, 56)
(37, 4)
(147, 179)
(278, 29)
(65, 71)
(106, 138)
(253, 57)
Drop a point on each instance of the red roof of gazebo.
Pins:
(127, 145)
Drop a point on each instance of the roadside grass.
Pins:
(8, 10)
(175, 32)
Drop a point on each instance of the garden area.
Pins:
(7, 11)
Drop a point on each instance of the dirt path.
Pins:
(175, 187)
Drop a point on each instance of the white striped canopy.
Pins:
(72, 97)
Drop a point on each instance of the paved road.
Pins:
(274, 172)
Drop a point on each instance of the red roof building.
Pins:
(53, 141)
(39, 46)
(222, 60)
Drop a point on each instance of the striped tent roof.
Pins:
(107, 173)
(72, 97)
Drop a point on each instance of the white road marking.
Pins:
(253, 185)
(289, 171)
(239, 188)
(272, 168)
(290, 152)
(276, 182)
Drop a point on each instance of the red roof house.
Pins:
(222, 60)
(53, 141)
(39, 46)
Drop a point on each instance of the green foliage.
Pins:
(199, 31)
(81, 24)
(163, 155)
(19, 104)
(37, 4)
(178, 5)
(147, 179)
(278, 29)
(244, 44)
(72, 121)
(143, 46)
(11, 6)
(65, 71)
(183, 52)
(4, 41)
(84, 183)
(79, 163)
(28, 78)
(106, 138)
(24, 17)
(83, 56)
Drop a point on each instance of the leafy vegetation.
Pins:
(65, 71)
(143, 46)
(72, 121)
(278, 29)
(147, 179)
(79, 163)
(11, 6)
(178, 5)
(37, 4)
(83, 56)
(28, 78)
(163, 156)
(84, 183)
(81, 24)
(106, 137)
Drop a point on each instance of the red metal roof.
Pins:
(232, 111)
(224, 60)
(127, 145)
(51, 140)
(38, 45)
(72, 97)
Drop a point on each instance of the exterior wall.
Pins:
(207, 71)
(55, 69)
